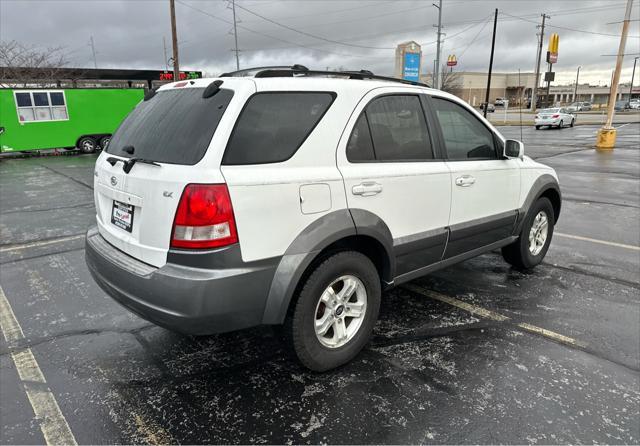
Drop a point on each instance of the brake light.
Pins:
(204, 218)
(555, 116)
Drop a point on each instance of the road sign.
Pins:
(411, 67)
(549, 76)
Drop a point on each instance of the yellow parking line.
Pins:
(53, 424)
(488, 314)
(595, 240)
(43, 243)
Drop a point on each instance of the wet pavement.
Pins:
(454, 358)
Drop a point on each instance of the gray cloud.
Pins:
(129, 33)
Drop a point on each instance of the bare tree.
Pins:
(450, 81)
(22, 64)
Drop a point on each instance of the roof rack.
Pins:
(301, 70)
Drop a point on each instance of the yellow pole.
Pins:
(607, 134)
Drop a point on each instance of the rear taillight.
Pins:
(555, 116)
(204, 218)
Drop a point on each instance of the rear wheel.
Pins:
(572, 122)
(538, 127)
(104, 141)
(336, 311)
(87, 144)
(534, 239)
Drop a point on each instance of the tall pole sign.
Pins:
(552, 57)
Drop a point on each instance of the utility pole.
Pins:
(534, 94)
(174, 40)
(633, 75)
(436, 73)
(164, 48)
(235, 34)
(607, 134)
(575, 91)
(93, 50)
(493, 46)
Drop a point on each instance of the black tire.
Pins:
(572, 122)
(104, 141)
(518, 253)
(561, 124)
(87, 144)
(538, 127)
(300, 325)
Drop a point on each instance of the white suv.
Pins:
(296, 197)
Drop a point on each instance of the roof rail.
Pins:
(247, 71)
(301, 70)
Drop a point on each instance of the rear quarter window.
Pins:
(273, 126)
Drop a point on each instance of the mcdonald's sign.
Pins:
(552, 51)
(452, 61)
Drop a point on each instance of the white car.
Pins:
(554, 117)
(500, 102)
(296, 197)
(635, 104)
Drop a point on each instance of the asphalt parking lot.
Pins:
(476, 353)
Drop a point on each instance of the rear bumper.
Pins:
(207, 293)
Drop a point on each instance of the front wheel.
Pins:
(573, 121)
(561, 124)
(535, 237)
(336, 311)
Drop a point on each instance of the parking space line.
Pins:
(41, 243)
(53, 424)
(594, 240)
(488, 314)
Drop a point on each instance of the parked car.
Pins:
(538, 103)
(296, 200)
(634, 104)
(554, 117)
(579, 106)
(499, 102)
(622, 106)
(490, 109)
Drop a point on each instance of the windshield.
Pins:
(550, 110)
(174, 126)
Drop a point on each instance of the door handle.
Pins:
(465, 181)
(367, 188)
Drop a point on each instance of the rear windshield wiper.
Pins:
(129, 163)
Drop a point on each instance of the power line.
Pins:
(304, 33)
(269, 36)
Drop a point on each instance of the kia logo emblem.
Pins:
(114, 181)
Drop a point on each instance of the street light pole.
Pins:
(633, 75)
(493, 46)
(575, 91)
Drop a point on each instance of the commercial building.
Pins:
(472, 86)
(597, 95)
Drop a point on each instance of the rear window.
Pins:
(175, 126)
(273, 126)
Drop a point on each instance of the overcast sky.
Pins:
(359, 34)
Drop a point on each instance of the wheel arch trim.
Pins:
(310, 243)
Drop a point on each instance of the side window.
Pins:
(398, 129)
(465, 137)
(273, 126)
(360, 146)
(41, 106)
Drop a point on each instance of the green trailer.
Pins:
(73, 118)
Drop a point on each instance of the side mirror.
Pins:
(513, 149)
